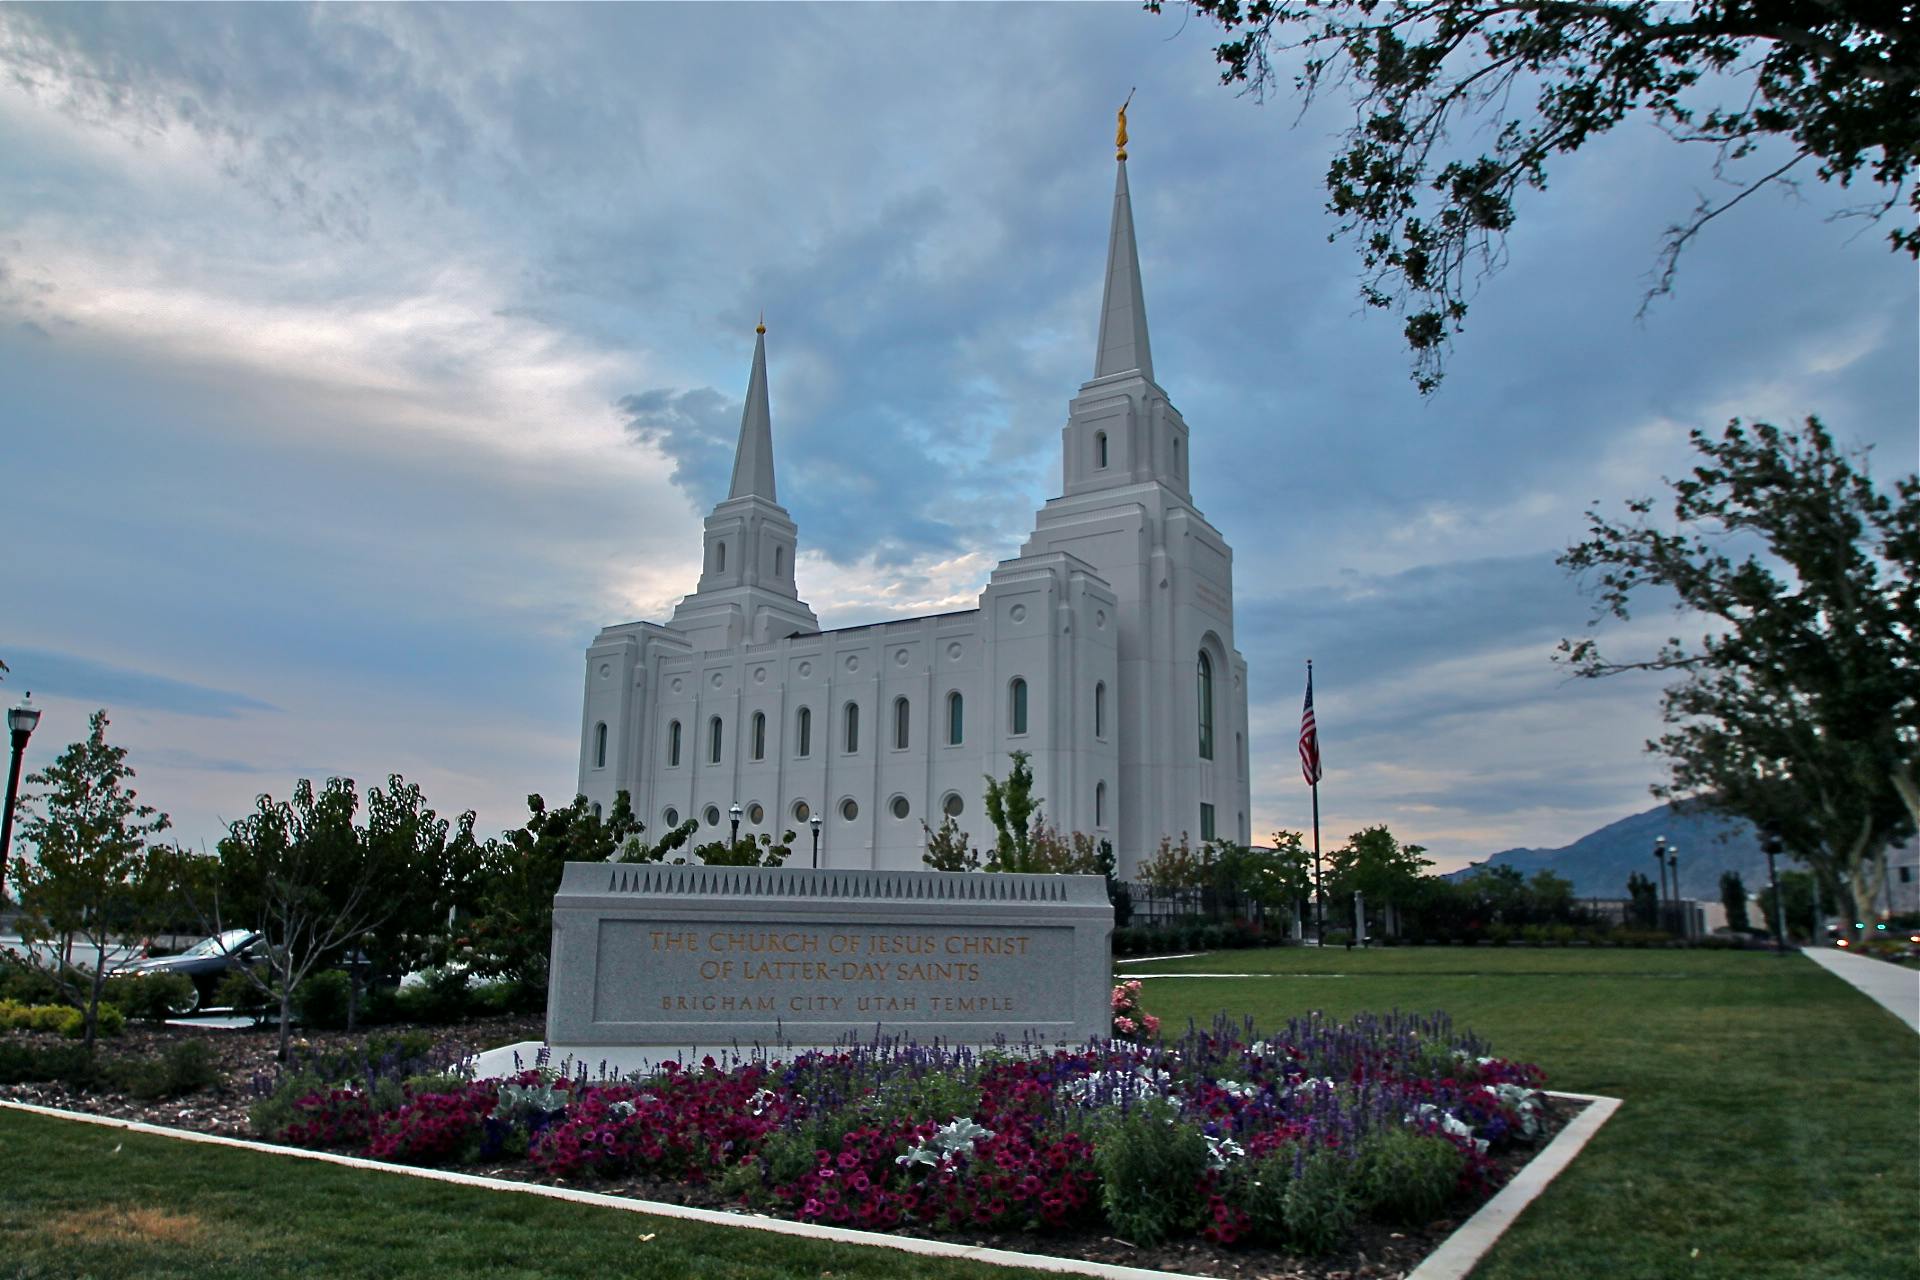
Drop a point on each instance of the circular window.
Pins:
(849, 810)
(953, 805)
(606, 669)
(713, 815)
(671, 817)
(800, 811)
(900, 807)
(755, 814)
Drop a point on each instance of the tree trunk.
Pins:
(286, 1014)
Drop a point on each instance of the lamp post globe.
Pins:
(733, 811)
(814, 822)
(21, 720)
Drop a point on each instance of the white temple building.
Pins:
(1105, 650)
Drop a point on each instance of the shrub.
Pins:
(238, 991)
(440, 997)
(181, 1068)
(151, 997)
(108, 1021)
(1151, 1165)
(1318, 1204)
(1336, 937)
(35, 1063)
(322, 999)
(21, 983)
(1407, 1177)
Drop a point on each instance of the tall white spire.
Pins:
(1123, 311)
(753, 457)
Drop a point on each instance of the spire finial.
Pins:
(1123, 309)
(762, 326)
(1120, 132)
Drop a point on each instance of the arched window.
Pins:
(803, 733)
(1100, 449)
(759, 735)
(1017, 706)
(900, 718)
(1099, 804)
(1206, 706)
(673, 744)
(600, 745)
(596, 808)
(853, 727)
(719, 557)
(713, 740)
(1240, 755)
(779, 561)
(1100, 710)
(956, 718)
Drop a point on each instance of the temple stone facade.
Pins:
(1105, 650)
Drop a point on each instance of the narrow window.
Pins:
(719, 557)
(956, 718)
(596, 808)
(1100, 804)
(853, 727)
(600, 745)
(1017, 706)
(900, 717)
(713, 740)
(1206, 706)
(803, 733)
(1100, 449)
(759, 735)
(1240, 755)
(673, 744)
(779, 561)
(1206, 822)
(1100, 710)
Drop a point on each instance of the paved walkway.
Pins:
(1895, 987)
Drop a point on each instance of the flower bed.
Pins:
(1301, 1140)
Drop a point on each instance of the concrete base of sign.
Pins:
(609, 1061)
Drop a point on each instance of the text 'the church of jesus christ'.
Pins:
(1105, 650)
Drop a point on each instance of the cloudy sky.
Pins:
(356, 365)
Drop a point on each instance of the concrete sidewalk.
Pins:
(1895, 987)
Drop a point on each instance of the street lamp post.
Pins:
(814, 822)
(733, 811)
(21, 720)
(1771, 842)
(1679, 917)
(1660, 869)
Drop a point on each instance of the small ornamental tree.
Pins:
(1011, 806)
(94, 878)
(949, 848)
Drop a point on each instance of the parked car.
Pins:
(206, 962)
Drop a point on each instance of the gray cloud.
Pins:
(84, 680)
(692, 428)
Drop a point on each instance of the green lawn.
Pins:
(1771, 1128)
(1771, 1124)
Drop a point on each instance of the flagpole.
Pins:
(1319, 884)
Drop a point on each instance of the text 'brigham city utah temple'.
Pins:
(1105, 650)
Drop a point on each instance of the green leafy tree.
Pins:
(1733, 896)
(1800, 704)
(1801, 902)
(1460, 106)
(520, 872)
(310, 881)
(431, 874)
(94, 876)
(1373, 863)
(1643, 897)
(1011, 806)
(748, 851)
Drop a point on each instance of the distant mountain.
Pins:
(1600, 862)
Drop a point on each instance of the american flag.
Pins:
(1309, 736)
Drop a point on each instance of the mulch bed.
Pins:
(244, 1056)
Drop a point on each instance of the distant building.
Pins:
(1105, 650)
